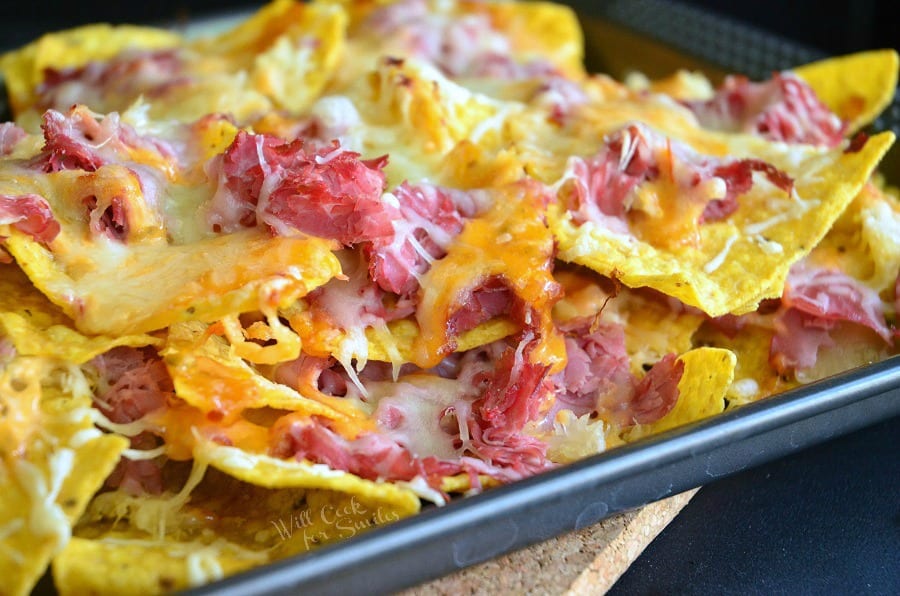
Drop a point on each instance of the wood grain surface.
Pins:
(588, 561)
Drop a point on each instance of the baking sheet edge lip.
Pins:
(700, 439)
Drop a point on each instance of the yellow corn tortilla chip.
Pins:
(162, 284)
(532, 30)
(754, 377)
(52, 460)
(683, 85)
(270, 472)
(161, 274)
(396, 343)
(856, 87)
(122, 563)
(279, 59)
(218, 524)
(288, 49)
(208, 375)
(236, 274)
(24, 69)
(708, 372)
(37, 327)
(865, 241)
(744, 259)
(542, 30)
(416, 115)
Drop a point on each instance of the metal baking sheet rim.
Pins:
(469, 531)
(439, 541)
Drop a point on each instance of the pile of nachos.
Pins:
(265, 289)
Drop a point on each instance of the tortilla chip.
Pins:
(53, 460)
(289, 50)
(708, 372)
(856, 87)
(542, 30)
(162, 284)
(270, 472)
(395, 343)
(208, 375)
(37, 327)
(683, 85)
(417, 115)
(742, 260)
(865, 241)
(122, 563)
(279, 59)
(218, 524)
(25, 69)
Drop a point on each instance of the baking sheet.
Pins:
(441, 540)
(619, 38)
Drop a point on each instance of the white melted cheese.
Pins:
(745, 389)
(769, 247)
(46, 516)
(419, 486)
(203, 566)
(410, 412)
(881, 232)
(575, 437)
(144, 454)
(719, 259)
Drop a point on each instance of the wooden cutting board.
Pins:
(588, 561)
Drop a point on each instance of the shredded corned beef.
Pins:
(784, 108)
(738, 177)
(10, 135)
(833, 295)
(797, 339)
(512, 396)
(501, 389)
(561, 95)
(330, 193)
(132, 383)
(597, 377)
(602, 186)
(460, 45)
(814, 301)
(370, 455)
(482, 302)
(80, 139)
(597, 364)
(602, 182)
(656, 393)
(119, 80)
(112, 221)
(429, 218)
(29, 214)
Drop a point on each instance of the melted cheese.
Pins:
(117, 289)
(475, 256)
(52, 460)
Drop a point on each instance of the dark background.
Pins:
(833, 27)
